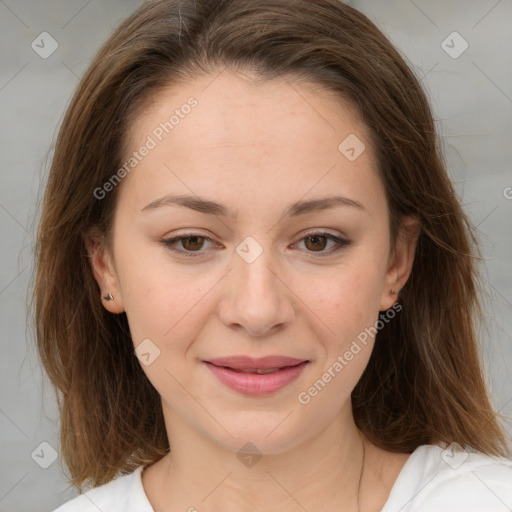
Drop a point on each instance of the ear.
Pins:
(400, 261)
(103, 269)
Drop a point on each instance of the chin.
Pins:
(259, 433)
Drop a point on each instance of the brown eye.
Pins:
(316, 242)
(193, 243)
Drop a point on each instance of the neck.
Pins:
(321, 473)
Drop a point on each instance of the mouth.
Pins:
(250, 364)
(257, 371)
(256, 376)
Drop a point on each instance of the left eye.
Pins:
(314, 242)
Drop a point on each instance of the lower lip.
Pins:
(256, 384)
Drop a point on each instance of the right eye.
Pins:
(190, 242)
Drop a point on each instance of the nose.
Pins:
(257, 297)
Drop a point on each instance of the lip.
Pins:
(250, 363)
(252, 383)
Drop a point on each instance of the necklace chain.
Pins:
(361, 476)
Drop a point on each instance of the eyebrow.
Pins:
(212, 208)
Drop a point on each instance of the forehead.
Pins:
(239, 108)
(220, 130)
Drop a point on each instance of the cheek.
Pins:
(158, 296)
(165, 307)
(345, 301)
(346, 310)
(170, 310)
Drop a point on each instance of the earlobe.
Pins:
(103, 270)
(401, 261)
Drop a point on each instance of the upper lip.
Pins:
(249, 363)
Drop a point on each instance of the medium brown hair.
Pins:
(423, 382)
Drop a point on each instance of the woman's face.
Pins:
(256, 166)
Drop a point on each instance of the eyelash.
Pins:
(169, 243)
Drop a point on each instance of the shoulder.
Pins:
(123, 494)
(440, 477)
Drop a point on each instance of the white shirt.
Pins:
(433, 479)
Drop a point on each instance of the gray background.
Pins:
(472, 100)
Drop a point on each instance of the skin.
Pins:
(256, 147)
